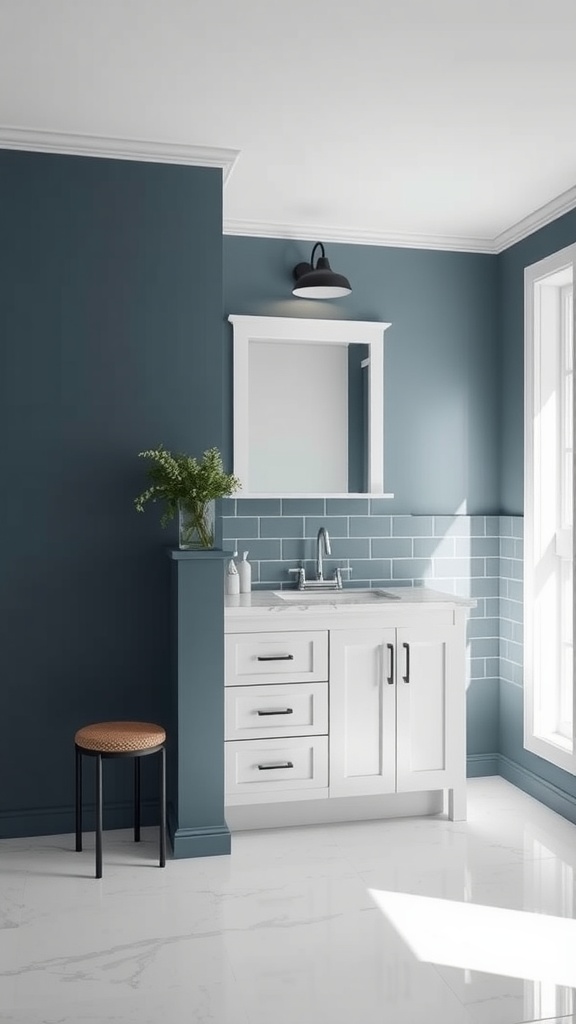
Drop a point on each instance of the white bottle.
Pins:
(245, 574)
(232, 578)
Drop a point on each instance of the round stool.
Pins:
(120, 739)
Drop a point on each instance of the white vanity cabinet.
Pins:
(276, 715)
(396, 702)
(337, 712)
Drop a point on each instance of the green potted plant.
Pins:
(188, 487)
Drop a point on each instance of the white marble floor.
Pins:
(415, 921)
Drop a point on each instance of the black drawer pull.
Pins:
(281, 711)
(275, 657)
(270, 767)
(406, 677)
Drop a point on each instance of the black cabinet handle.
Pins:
(406, 677)
(270, 767)
(390, 678)
(281, 711)
(275, 657)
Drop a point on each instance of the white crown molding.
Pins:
(544, 215)
(305, 232)
(145, 150)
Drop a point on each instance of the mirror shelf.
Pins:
(308, 407)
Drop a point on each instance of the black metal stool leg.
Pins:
(136, 799)
(78, 801)
(99, 816)
(163, 807)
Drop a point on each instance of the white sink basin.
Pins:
(335, 596)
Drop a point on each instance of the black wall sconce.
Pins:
(318, 282)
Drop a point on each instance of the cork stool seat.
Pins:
(117, 740)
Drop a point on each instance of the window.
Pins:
(549, 726)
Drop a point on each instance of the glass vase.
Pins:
(196, 521)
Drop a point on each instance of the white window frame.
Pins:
(544, 293)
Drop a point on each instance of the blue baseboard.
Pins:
(546, 792)
(479, 765)
(55, 821)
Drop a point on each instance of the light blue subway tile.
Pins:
(294, 549)
(455, 567)
(506, 568)
(461, 587)
(303, 507)
(518, 526)
(484, 627)
(370, 526)
(379, 506)
(513, 611)
(492, 606)
(410, 568)
(477, 668)
(426, 547)
(519, 548)
(282, 526)
(479, 611)
(492, 567)
(337, 526)
(448, 526)
(492, 526)
(347, 506)
(511, 672)
(507, 548)
(257, 549)
(514, 651)
(518, 632)
(239, 526)
(478, 547)
(226, 506)
(351, 547)
(485, 647)
(484, 586)
(391, 547)
(370, 568)
(516, 591)
(477, 526)
(507, 629)
(412, 526)
(258, 506)
(275, 572)
(505, 526)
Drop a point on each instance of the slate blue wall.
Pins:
(441, 435)
(110, 341)
(537, 776)
(441, 357)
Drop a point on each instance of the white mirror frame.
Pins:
(298, 329)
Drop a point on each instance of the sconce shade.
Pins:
(319, 282)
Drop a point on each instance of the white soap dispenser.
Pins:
(245, 574)
(232, 578)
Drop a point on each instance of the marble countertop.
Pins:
(263, 601)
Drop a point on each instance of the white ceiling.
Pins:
(441, 122)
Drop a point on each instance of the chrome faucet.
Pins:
(322, 540)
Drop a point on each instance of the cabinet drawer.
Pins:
(300, 709)
(268, 766)
(288, 657)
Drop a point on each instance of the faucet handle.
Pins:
(301, 577)
(338, 575)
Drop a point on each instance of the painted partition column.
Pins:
(196, 765)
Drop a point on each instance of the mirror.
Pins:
(308, 406)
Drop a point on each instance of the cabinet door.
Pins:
(362, 712)
(429, 730)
